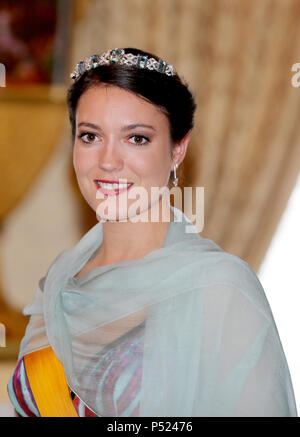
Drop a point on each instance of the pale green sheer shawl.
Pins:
(211, 347)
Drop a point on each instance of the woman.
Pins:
(145, 317)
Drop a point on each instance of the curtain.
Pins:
(236, 56)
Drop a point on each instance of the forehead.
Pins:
(114, 103)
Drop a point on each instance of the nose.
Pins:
(110, 158)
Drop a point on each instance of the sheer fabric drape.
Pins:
(210, 343)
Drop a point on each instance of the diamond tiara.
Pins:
(118, 56)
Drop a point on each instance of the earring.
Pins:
(175, 181)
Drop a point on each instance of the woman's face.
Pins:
(120, 136)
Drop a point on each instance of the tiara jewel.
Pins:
(118, 56)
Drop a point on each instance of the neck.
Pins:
(124, 241)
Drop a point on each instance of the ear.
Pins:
(180, 149)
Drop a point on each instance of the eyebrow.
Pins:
(124, 128)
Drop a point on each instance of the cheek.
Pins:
(152, 165)
(82, 161)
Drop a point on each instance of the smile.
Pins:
(111, 188)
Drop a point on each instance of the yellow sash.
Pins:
(48, 384)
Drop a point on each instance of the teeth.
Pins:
(112, 186)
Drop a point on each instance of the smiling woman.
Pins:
(130, 143)
(141, 317)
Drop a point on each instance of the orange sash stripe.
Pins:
(48, 384)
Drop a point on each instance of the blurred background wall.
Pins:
(237, 57)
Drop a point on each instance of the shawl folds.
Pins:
(211, 346)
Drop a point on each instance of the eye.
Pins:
(87, 137)
(140, 140)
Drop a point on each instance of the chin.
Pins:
(124, 216)
(113, 216)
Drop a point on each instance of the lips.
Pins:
(111, 188)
